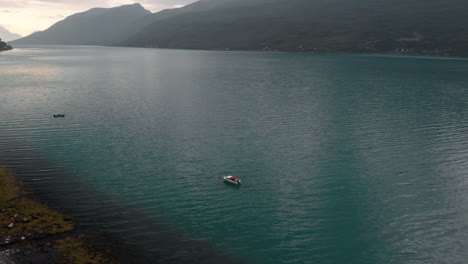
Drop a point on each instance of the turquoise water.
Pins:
(345, 158)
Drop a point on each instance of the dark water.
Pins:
(345, 158)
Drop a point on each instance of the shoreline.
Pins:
(32, 232)
(391, 54)
(111, 225)
(318, 52)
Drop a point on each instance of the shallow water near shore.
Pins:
(344, 158)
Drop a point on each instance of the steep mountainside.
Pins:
(98, 26)
(430, 27)
(6, 35)
(402, 26)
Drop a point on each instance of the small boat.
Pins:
(232, 179)
(59, 115)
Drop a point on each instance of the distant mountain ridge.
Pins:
(6, 35)
(97, 26)
(430, 27)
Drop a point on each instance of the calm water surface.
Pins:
(345, 158)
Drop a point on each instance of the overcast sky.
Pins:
(26, 16)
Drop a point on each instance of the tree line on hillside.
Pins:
(4, 46)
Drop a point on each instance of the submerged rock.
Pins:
(31, 226)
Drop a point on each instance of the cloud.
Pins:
(56, 17)
(158, 5)
(26, 16)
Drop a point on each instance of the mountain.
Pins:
(98, 26)
(390, 26)
(6, 35)
(142, 23)
(428, 27)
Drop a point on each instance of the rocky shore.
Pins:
(31, 232)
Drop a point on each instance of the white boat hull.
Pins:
(232, 181)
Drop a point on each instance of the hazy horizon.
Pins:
(27, 16)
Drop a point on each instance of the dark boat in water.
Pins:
(59, 115)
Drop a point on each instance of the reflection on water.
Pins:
(345, 159)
